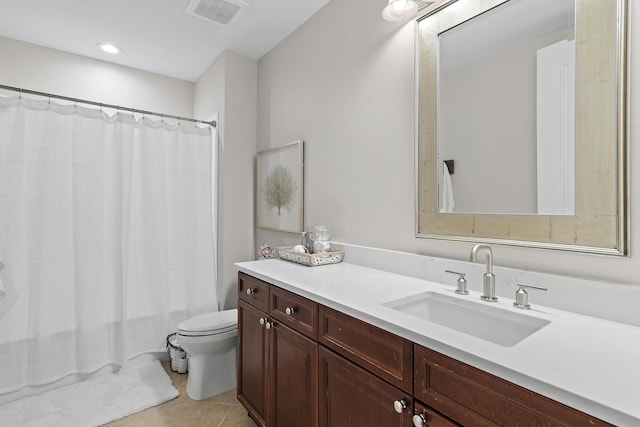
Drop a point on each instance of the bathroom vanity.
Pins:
(329, 346)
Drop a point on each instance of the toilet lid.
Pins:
(213, 323)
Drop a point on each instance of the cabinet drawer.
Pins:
(474, 397)
(253, 291)
(382, 353)
(295, 311)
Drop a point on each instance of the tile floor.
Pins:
(219, 411)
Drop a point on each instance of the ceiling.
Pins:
(155, 35)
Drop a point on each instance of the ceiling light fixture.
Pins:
(400, 10)
(109, 48)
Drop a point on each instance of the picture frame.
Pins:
(279, 188)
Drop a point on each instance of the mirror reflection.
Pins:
(537, 151)
(508, 75)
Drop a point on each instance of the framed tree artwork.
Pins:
(279, 188)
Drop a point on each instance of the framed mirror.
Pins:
(522, 123)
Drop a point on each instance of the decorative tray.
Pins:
(312, 260)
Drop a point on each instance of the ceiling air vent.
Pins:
(220, 12)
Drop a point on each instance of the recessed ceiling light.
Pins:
(109, 48)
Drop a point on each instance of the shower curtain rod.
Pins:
(99, 104)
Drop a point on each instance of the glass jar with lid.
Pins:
(322, 238)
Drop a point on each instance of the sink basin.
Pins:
(478, 319)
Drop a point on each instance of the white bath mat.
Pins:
(140, 384)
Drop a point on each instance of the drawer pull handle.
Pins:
(419, 420)
(290, 310)
(251, 291)
(399, 406)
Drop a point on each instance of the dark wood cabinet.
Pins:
(253, 291)
(277, 369)
(350, 396)
(428, 417)
(385, 354)
(362, 375)
(473, 397)
(252, 362)
(293, 381)
(298, 313)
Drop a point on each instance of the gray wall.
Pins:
(229, 87)
(343, 82)
(47, 70)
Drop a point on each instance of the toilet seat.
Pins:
(214, 323)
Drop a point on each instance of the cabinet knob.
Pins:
(263, 320)
(251, 291)
(290, 310)
(419, 420)
(268, 325)
(399, 406)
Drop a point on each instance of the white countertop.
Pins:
(584, 362)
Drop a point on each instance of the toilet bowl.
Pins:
(210, 341)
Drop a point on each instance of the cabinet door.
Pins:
(353, 397)
(293, 379)
(252, 363)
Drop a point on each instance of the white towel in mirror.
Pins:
(447, 201)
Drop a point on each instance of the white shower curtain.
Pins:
(106, 225)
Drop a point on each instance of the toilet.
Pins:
(211, 342)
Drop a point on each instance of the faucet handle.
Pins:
(462, 283)
(522, 296)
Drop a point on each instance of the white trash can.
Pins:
(179, 361)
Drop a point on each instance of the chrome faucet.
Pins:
(488, 279)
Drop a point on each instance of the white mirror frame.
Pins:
(600, 224)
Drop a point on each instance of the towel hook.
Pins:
(450, 166)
